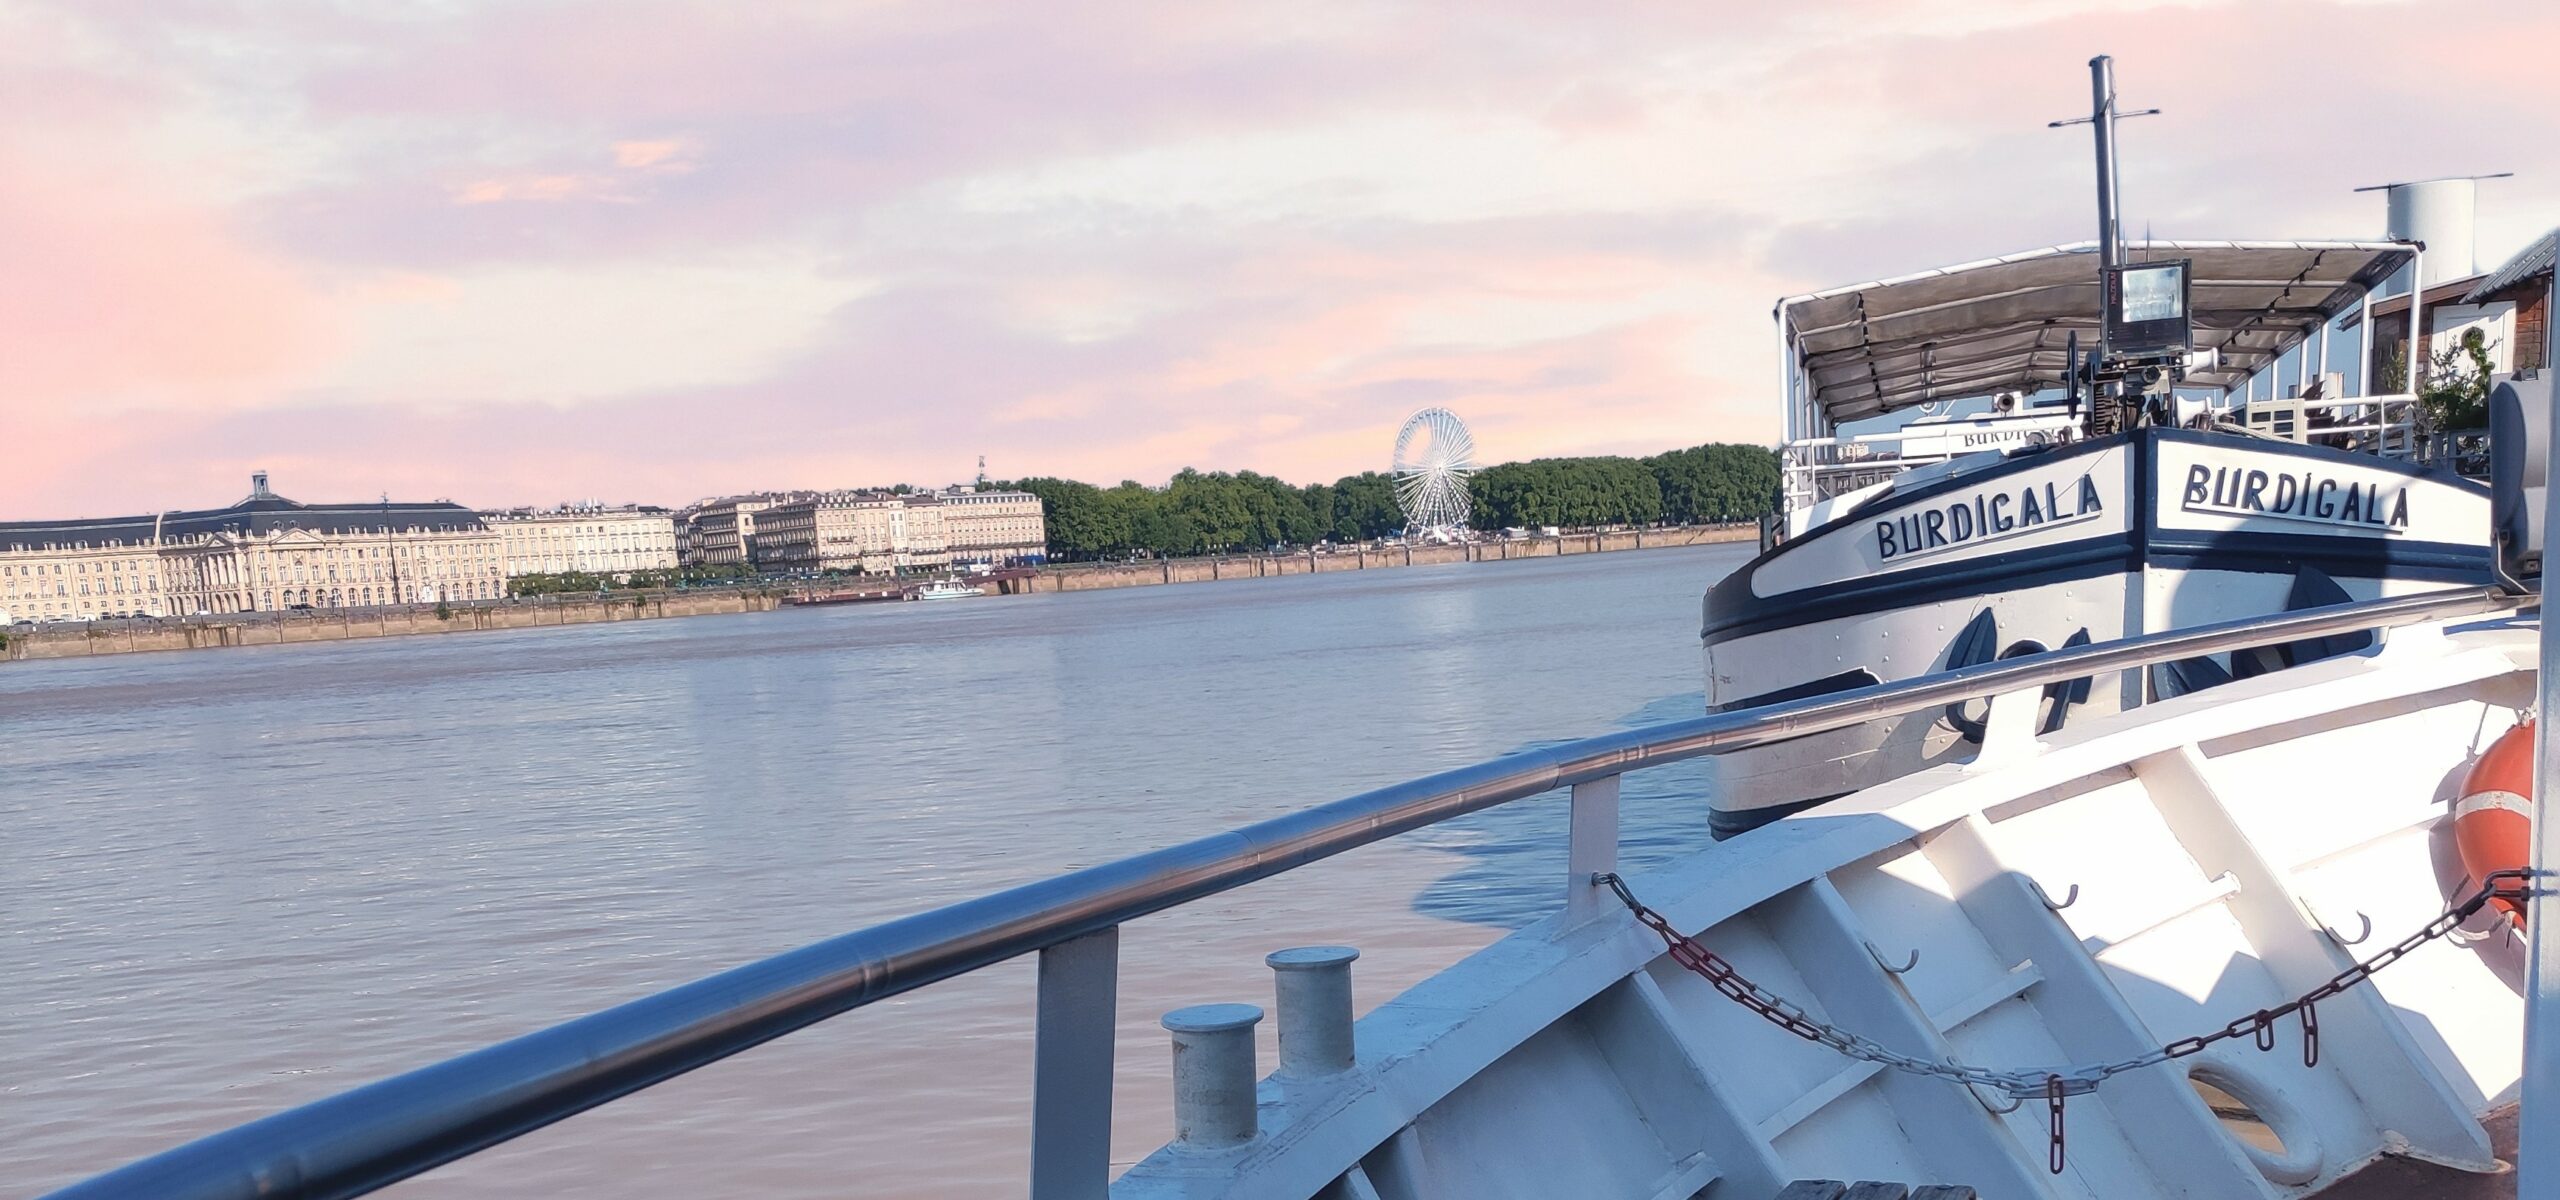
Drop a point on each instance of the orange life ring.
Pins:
(2493, 822)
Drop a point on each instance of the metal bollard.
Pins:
(1314, 987)
(1213, 1075)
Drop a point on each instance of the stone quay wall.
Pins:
(337, 625)
(1083, 577)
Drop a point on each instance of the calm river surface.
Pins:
(234, 881)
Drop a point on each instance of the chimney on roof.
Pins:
(258, 486)
(2439, 214)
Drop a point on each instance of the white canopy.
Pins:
(2003, 324)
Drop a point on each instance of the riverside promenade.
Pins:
(136, 635)
(1077, 577)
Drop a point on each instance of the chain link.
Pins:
(2055, 1084)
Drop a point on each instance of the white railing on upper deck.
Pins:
(2390, 426)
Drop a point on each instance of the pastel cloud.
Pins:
(538, 187)
(666, 154)
(651, 250)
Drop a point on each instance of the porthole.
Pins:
(2267, 1127)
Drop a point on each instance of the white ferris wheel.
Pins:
(1434, 456)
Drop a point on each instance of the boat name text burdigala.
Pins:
(1986, 516)
(2236, 492)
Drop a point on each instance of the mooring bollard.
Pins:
(1213, 1074)
(1314, 987)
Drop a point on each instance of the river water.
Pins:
(234, 881)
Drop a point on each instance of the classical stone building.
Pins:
(264, 553)
(592, 538)
(724, 530)
(869, 532)
(992, 527)
(807, 536)
(688, 533)
(905, 533)
(872, 533)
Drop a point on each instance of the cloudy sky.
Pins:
(527, 251)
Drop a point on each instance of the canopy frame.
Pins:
(2002, 324)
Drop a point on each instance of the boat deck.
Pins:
(2410, 1179)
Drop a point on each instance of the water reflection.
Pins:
(239, 880)
(1517, 851)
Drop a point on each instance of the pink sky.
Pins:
(524, 252)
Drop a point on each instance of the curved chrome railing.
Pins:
(357, 1141)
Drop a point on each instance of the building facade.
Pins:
(2508, 307)
(724, 530)
(688, 534)
(263, 554)
(994, 528)
(900, 534)
(807, 537)
(595, 539)
(870, 533)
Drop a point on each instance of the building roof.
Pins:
(2450, 291)
(261, 514)
(2533, 260)
(2004, 324)
(573, 512)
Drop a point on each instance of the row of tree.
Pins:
(1197, 513)
(567, 583)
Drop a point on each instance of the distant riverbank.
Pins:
(137, 635)
(1077, 577)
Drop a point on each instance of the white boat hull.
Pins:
(2161, 530)
(2206, 845)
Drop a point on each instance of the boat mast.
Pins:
(2102, 120)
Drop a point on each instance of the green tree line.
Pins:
(1217, 512)
(574, 582)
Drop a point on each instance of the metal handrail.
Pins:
(372, 1136)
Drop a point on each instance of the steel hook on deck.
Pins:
(2069, 898)
(1907, 963)
(2014, 1102)
(2358, 939)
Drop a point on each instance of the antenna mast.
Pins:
(2102, 118)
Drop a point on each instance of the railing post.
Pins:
(1071, 1068)
(1591, 845)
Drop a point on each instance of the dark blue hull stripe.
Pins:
(2276, 553)
(2066, 563)
(1723, 823)
(1855, 677)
